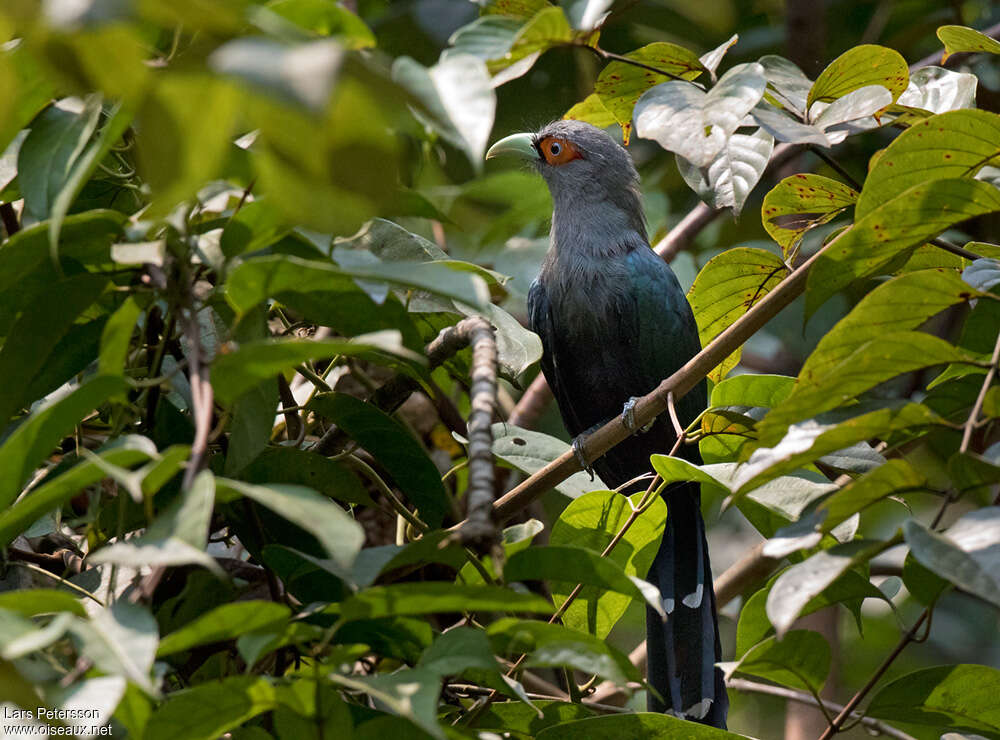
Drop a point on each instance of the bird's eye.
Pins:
(559, 151)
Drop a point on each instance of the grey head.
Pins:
(597, 208)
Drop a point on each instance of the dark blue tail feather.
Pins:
(683, 650)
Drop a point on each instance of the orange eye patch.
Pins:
(558, 151)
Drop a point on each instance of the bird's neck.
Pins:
(587, 230)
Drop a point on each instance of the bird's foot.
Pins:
(628, 416)
(581, 457)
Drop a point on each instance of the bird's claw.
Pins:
(581, 457)
(628, 416)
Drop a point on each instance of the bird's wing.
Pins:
(660, 325)
(543, 323)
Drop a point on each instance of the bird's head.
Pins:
(591, 176)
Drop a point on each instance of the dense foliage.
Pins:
(242, 419)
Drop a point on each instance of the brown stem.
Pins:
(978, 405)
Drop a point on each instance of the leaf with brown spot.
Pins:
(801, 202)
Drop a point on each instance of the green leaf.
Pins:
(238, 372)
(432, 597)
(849, 589)
(949, 145)
(47, 156)
(35, 601)
(644, 725)
(410, 693)
(620, 85)
(258, 279)
(572, 565)
(211, 709)
(224, 623)
(179, 535)
(531, 720)
(726, 288)
(799, 203)
(117, 337)
(250, 429)
(82, 168)
(488, 37)
(728, 179)
(34, 335)
(592, 111)
(326, 18)
(530, 451)
(552, 645)
(186, 122)
(800, 660)
(591, 521)
(859, 67)
(697, 125)
(788, 86)
(121, 640)
(395, 449)
(34, 439)
(874, 362)
(934, 90)
(458, 95)
(888, 232)
(764, 391)
(799, 584)
(128, 450)
(961, 38)
(796, 445)
(923, 585)
(967, 554)
(292, 465)
(892, 478)
(953, 697)
(903, 303)
(547, 28)
(340, 535)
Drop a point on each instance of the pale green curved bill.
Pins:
(520, 144)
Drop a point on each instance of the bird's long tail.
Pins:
(682, 651)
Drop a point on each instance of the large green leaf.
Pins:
(794, 446)
(552, 645)
(236, 373)
(128, 450)
(121, 640)
(800, 659)
(967, 554)
(952, 697)
(395, 449)
(889, 231)
(591, 521)
(728, 179)
(224, 623)
(409, 599)
(877, 360)
(34, 439)
(48, 155)
(530, 451)
(798, 585)
(961, 38)
(726, 288)
(954, 144)
(694, 124)
(800, 202)
(211, 709)
(859, 67)
(35, 334)
(639, 725)
(572, 565)
(620, 84)
(458, 96)
(339, 534)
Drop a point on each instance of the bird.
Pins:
(614, 321)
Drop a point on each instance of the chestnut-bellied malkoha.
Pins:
(614, 322)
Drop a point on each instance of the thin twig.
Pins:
(877, 726)
(978, 405)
